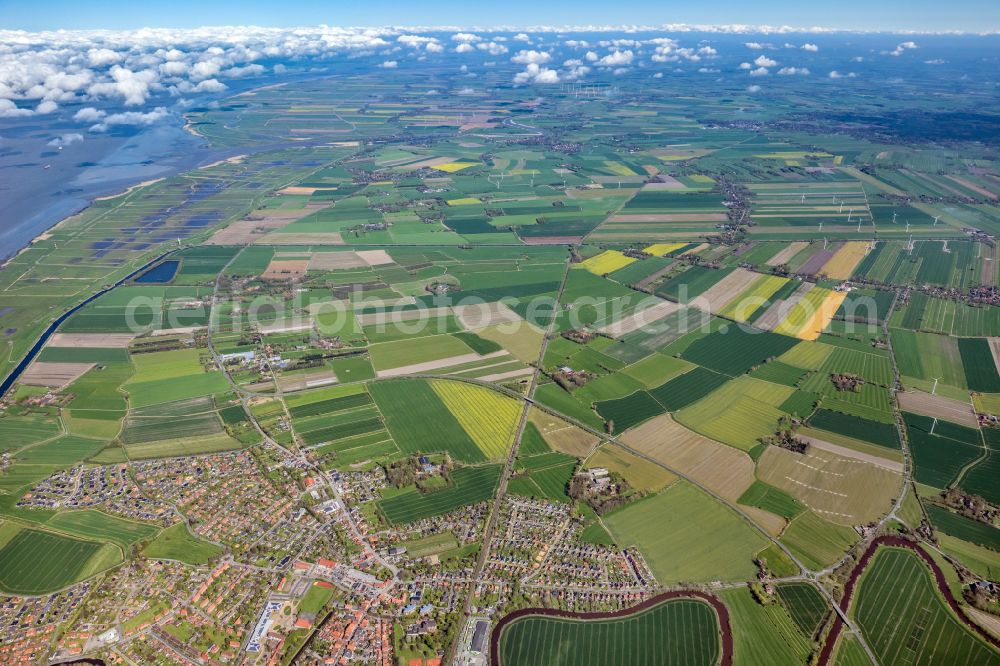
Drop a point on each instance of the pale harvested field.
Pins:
(431, 366)
(317, 238)
(695, 250)
(504, 376)
(785, 255)
(91, 340)
(987, 621)
(995, 351)
(285, 326)
(939, 406)
(401, 316)
(640, 319)
(335, 261)
(481, 315)
(363, 303)
(551, 240)
(972, 186)
(722, 469)
(637, 471)
(670, 217)
(243, 232)
(259, 223)
(300, 382)
(842, 264)
(177, 331)
(780, 308)
(524, 344)
(719, 294)
(844, 442)
(297, 190)
(668, 183)
(375, 257)
(426, 164)
(562, 436)
(842, 490)
(53, 375)
(285, 269)
(613, 180)
(891, 465)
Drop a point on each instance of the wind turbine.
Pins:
(894, 217)
(934, 388)
(936, 219)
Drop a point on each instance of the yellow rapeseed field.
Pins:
(661, 249)
(606, 262)
(489, 417)
(811, 315)
(452, 167)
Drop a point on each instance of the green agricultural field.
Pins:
(695, 538)
(963, 528)
(763, 635)
(63, 451)
(904, 619)
(189, 446)
(739, 413)
(36, 562)
(807, 355)
(142, 394)
(980, 368)
(656, 369)
(850, 653)
(805, 604)
(469, 485)
(554, 397)
(926, 356)
(736, 350)
(386, 355)
(419, 420)
(91, 524)
(148, 429)
(873, 432)
(771, 499)
(546, 482)
(630, 411)
(688, 388)
(18, 431)
(177, 543)
(940, 455)
(816, 542)
(981, 478)
(677, 631)
(779, 373)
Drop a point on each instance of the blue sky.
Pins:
(929, 15)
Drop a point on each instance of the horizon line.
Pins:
(724, 29)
